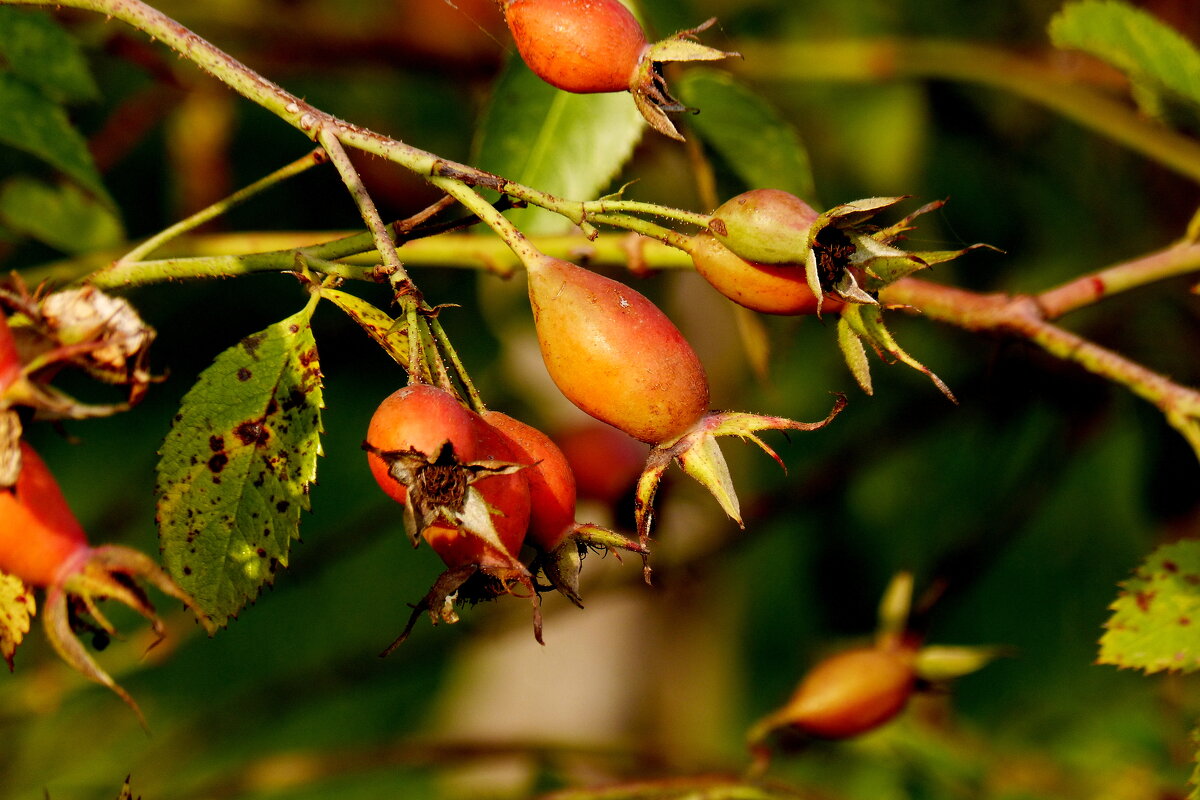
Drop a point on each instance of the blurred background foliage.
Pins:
(1024, 506)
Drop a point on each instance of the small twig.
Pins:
(1088, 289)
(366, 206)
(667, 236)
(474, 202)
(306, 162)
(1022, 315)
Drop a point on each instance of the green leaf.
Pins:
(757, 143)
(31, 122)
(1154, 55)
(16, 609)
(237, 464)
(571, 145)
(60, 216)
(1155, 624)
(34, 48)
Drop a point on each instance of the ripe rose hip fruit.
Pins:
(851, 693)
(766, 288)
(43, 545)
(606, 462)
(426, 450)
(587, 46)
(551, 482)
(39, 536)
(581, 46)
(614, 354)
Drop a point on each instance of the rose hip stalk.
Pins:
(464, 491)
(614, 354)
(43, 545)
(587, 46)
(558, 539)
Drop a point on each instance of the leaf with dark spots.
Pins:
(1150, 628)
(252, 423)
(251, 344)
(252, 433)
(16, 610)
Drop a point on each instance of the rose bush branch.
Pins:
(1181, 259)
(305, 117)
(1024, 316)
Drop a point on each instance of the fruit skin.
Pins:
(766, 225)
(767, 288)
(420, 417)
(551, 482)
(851, 692)
(582, 46)
(423, 418)
(614, 354)
(38, 533)
(606, 462)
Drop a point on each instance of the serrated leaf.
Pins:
(571, 145)
(1155, 623)
(387, 332)
(32, 122)
(17, 608)
(237, 464)
(757, 143)
(34, 48)
(63, 216)
(1152, 53)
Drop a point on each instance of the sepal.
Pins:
(698, 453)
(866, 324)
(649, 88)
(102, 573)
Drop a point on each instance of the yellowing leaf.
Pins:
(17, 607)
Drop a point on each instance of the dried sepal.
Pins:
(562, 566)
(470, 583)
(82, 328)
(440, 491)
(649, 88)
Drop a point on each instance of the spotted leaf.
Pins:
(16, 609)
(1155, 624)
(236, 467)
